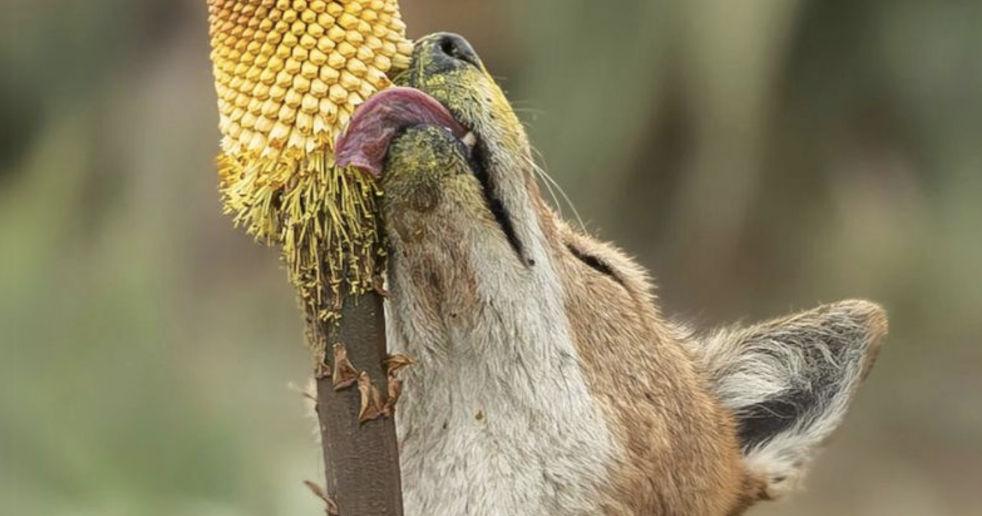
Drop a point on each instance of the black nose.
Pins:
(453, 47)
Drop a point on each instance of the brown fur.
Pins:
(646, 380)
(655, 386)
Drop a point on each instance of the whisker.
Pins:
(540, 170)
(549, 187)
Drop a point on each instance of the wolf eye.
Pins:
(594, 263)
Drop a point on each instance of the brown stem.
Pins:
(361, 459)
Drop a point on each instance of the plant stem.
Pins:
(361, 459)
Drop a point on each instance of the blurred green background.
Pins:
(759, 156)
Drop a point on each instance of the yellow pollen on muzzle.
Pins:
(289, 75)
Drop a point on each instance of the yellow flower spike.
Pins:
(289, 74)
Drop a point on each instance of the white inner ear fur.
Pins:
(809, 363)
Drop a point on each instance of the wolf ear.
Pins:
(789, 382)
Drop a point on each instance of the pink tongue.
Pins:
(377, 121)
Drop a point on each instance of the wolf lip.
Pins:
(376, 122)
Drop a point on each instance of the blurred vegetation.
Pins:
(758, 156)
